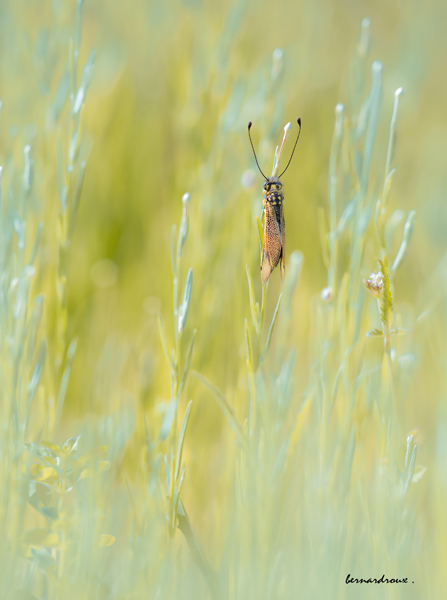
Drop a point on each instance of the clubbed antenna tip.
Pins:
(253, 148)
(286, 130)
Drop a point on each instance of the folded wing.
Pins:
(272, 246)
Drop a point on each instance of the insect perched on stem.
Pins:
(274, 244)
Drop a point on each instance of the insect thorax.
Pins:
(273, 191)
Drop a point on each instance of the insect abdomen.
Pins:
(276, 200)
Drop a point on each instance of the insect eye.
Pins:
(277, 186)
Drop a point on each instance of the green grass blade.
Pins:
(181, 439)
(65, 378)
(386, 298)
(184, 308)
(169, 419)
(406, 237)
(226, 408)
(251, 291)
(173, 256)
(260, 232)
(248, 345)
(272, 326)
(164, 342)
(187, 363)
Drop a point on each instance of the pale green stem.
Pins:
(333, 163)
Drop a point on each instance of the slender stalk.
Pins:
(184, 524)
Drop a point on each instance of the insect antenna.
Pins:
(253, 148)
(296, 142)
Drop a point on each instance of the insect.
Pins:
(274, 244)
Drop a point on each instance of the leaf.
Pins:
(78, 24)
(23, 290)
(291, 280)
(419, 474)
(164, 342)
(77, 198)
(252, 412)
(85, 82)
(346, 216)
(48, 475)
(374, 333)
(36, 469)
(226, 408)
(251, 292)
(33, 255)
(184, 308)
(260, 232)
(49, 512)
(182, 439)
(173, 404)
(168, 472)
(387, 187)
(281, 457)
(35, 321)
(53, 462)
(322, 228)
(59, 98)
(173, 257)
(41, 537)
(45, 454)
(410, 469)
(55, 449)
(386, 298)
(39, 494)
(371, 125)
(284, 380)
(400, 331)
(406, 237)
(183, 232)
(178, 491)
(391, 224)
(296, 431)
(91, 454)
(263, 306)
(62, 186)
(75, 143)
(35, 536)
(106, 540)
(28, 169)
(71, 445)
(86, 474)
(65, 378)
(168, 420)
(187, 364)
(248, 344)
(272, 325)
(44, 560)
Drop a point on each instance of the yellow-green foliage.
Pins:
(386, 298)
(170, 428)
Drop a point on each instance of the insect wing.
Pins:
(272, 246)
(283, 243)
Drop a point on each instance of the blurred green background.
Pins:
(172, 89)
